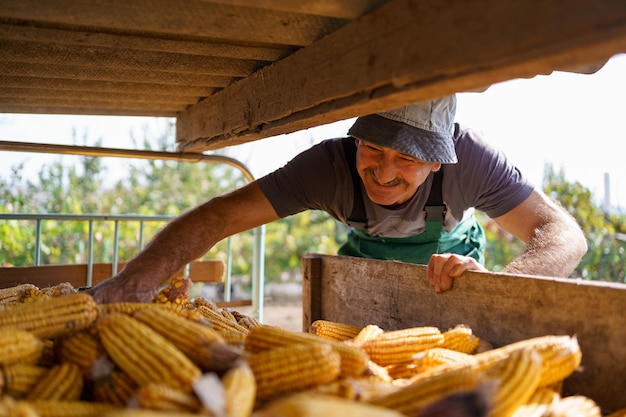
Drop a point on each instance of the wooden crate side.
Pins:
(500, 308)
(48, 275)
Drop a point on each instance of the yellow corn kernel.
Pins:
(56, 408)
(193, 338)
(239, 390)
(12, 294)
(52, 317)
(354, 360)
(82, 348)
(399, 346)
(293, 368)
(130, 308)
(144, 354)
(116, 388)
(369, 332)
(334, 330)
(19, 345)
(460, 338)
(538, 404)
(315, 405)
(63, 382)
(166, 398)
(19, 378)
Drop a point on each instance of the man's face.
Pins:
(390, 177)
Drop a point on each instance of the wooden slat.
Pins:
(122, 75)
(191, 18)
(499, 308)
(48, 275)
(347, 9)
(402, 52)
(141, 43)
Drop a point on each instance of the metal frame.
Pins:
(258, 263)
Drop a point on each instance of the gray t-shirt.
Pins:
(319, 179)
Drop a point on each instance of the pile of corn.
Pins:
(61, 354)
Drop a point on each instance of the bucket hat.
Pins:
(423, 130)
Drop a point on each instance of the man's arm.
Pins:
(184, 239)
(555, 244)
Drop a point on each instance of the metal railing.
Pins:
(258, 254)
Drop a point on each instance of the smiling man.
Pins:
(406, 180)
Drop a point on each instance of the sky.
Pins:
(572, 121)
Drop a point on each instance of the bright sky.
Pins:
(570, 120)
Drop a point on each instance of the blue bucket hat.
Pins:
(423, 130)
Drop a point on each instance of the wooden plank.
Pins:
(311, 291)
(499, 308)
(347, 9)
(192, 18)
(48, 275)
(402, 52)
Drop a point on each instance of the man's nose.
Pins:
(385, 170)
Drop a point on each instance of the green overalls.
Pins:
(467, 238)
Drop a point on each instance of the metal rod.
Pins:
(38, 243)
(116, 246)
(90, 255)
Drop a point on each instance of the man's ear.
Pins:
(436, 167)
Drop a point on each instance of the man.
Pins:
(406, 180)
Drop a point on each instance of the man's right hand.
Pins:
(121, 287)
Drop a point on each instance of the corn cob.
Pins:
(31, 295)
(249, 322)
(12, 294)
(575, 406)
(292, 368)
(315, 405)
(354, 361)
(115, 388)
(538, 404)
(84, 349)
(48, 356)
(63, 288)
(53, 317)
(144, 354)
(55, 408)
(19, 378)
(9, 407)
(239, 390)
(196, 340)
(460, 338)
(17, 345)
(356, 389)
(62, 382)
(219, 322)
(333, 330)
(148, 413)
(517, 378)
(166, 398)
(228, 315)
(424, 361)
(369, 332)
(130, 308)
(561, 355)
(399, 346)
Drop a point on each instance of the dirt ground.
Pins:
(288, 316)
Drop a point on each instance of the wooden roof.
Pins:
(232, 71)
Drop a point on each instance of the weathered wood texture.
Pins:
(499, 308)
(48, 275)
(402, 52)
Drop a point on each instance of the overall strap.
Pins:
(435, 208)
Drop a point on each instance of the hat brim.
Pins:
(419, 143)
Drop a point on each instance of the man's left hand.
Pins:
(443, 268)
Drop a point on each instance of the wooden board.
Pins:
(500, 308)
(48, 275)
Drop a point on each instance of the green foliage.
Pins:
(169, 188)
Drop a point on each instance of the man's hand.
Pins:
(121, 288)
(442, 269)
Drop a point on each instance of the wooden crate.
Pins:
(500, 308)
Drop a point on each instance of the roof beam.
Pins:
(402, 52)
